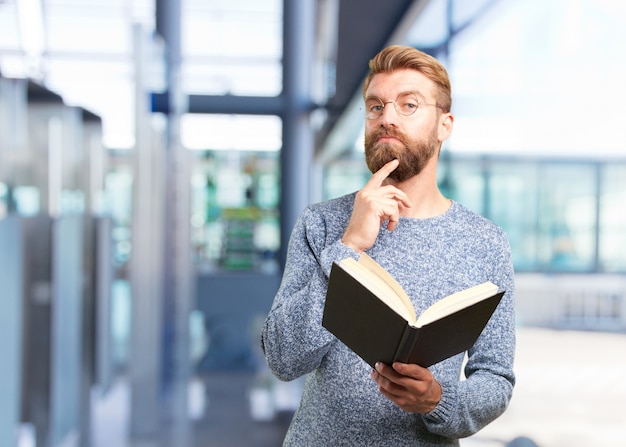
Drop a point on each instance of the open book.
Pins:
(369, 311)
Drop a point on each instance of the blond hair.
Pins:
(398, 57)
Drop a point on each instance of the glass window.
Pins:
(612, 235)
(119, 195)
(231, 132)
(232, 48)
(567, 217)
(549, 210)
(235, 215)
(513, 204)
(344, 177)
(464, 180)
(4, 200)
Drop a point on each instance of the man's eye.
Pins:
(409, 106)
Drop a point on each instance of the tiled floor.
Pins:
(570, 393)
(226, 420)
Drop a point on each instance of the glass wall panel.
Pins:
(564, 216)
(4, 200)
(231, 132)
(567, 217)
(238, 53)
(118, 187)
(513, 195)
(612, 235)
(235, 216)
(465, 182)
(344, 177)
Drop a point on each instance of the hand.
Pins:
(410, 387)
(374, 204)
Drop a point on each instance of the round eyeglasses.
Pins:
(405, 104)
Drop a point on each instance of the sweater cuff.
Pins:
(442, 413)
(335, 252)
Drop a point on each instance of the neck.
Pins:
(424, 194)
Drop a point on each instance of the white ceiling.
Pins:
(86, 51)
(540, 76)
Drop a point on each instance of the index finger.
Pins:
(379, 176)
(411, 370)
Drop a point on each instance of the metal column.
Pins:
(11, 346)
(298, 138)
(163, 268)
(177, 268)
(145, 263)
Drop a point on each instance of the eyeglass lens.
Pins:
(405, 104)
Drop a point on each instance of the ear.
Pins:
(446, 121)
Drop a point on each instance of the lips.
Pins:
(385, 137)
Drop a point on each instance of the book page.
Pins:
(383, 274)
(457, 301)
(371, 277)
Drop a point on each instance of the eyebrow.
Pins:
(406, 92)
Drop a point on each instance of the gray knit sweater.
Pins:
(431, 258)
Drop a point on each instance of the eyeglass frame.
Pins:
(383, 104)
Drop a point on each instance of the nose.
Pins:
(389, 114)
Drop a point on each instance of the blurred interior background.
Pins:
(154, 155)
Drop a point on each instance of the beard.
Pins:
(413, 155)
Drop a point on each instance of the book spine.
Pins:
(407, 344)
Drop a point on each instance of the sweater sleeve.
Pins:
(470, 404)
(293, 339)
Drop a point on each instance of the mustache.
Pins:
(387, 132)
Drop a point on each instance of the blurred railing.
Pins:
(566, 301)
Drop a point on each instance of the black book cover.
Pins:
(377, 333)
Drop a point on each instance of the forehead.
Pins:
(389, 85)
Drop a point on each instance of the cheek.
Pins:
(370, 126)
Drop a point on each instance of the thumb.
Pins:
(392, 223)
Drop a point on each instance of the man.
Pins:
(433, 246)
